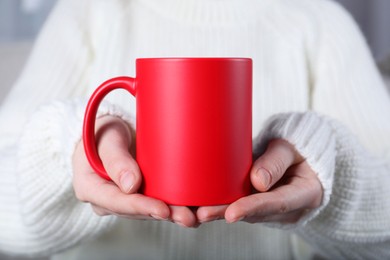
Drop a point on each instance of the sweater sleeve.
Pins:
(39, 214)
(345, 141)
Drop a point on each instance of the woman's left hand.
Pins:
(286, 189)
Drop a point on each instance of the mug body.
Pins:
(194, 129)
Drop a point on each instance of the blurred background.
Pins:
(21, 20)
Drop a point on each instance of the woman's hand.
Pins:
(286, 189)
(119, 197)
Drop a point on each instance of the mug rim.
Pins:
(194, 59)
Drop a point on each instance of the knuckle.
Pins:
(118, 157)
(111, 162)
(283, 207)
(278, 166)
(282, 203)
(115, 166)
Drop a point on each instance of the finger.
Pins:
(287, 218)
(106, 195)
(104, 212)
(271, 166)
(130, 205)
(211, 213)
(114, 141)
(298, 193)
(183, 216)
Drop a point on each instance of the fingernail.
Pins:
(157, 217)
(180, 224)
(127, 181)
(264, 176)
(209, 219)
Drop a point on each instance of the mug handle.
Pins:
(89, 141)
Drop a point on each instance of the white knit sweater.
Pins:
(308, 56)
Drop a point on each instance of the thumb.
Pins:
(123, 170)
(270, 167)
(114, 139)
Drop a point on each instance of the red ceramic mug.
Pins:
(193, 128)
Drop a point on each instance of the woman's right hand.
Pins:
(120, 196)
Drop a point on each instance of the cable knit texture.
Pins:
(315, 85)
